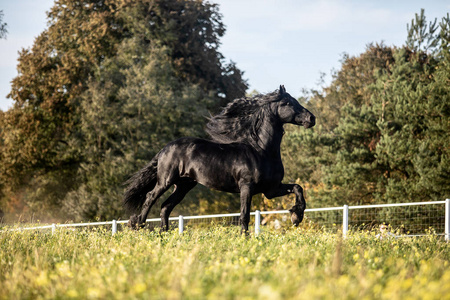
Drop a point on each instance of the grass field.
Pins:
(218, 263)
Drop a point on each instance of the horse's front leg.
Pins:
(246, 202)
(297, 210)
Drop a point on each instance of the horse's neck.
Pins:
(270, 139)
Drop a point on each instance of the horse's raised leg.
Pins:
(297, 210)
(246, 202)
(138, 221)
(181, 189)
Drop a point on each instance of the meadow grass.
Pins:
(219, 263)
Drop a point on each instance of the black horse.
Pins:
(243, 156)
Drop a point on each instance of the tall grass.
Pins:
(219, 263)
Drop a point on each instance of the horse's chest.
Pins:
(273, 174)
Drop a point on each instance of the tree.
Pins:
(386, 113)
(40, 155)
(413, 146)
(37, 162)
(3, 26)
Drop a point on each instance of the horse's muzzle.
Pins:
(307, 121)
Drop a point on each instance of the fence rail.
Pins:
(440, 218)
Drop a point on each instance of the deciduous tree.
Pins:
(42, 135)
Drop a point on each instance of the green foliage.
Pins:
(191, 30)
(218, 262)
(413, 111)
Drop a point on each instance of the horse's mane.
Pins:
(240, 121)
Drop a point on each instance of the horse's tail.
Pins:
(140, 184)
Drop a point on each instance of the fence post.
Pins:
(180, 224)
(447, 220)
(114, 226)
(345, 221)
(257, 222)
(53, 228)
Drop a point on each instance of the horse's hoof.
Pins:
(297, 214)
(133, 223)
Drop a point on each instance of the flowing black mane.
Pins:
(240, 121)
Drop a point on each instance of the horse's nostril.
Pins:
(311, 119)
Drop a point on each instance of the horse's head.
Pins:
(290, 111)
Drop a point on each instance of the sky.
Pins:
(290, 42)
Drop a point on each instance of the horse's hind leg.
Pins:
(181, 189)
(138, 221)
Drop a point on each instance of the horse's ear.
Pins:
(282, 90)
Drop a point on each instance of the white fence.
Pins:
(427, 217)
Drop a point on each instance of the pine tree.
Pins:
(422, 37)
(3, 26)
(414, 147)
(386, 140)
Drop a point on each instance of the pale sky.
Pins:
(274, 42)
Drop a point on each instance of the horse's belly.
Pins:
(220, 185)
(212, 175)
